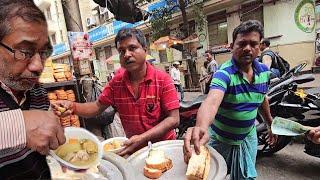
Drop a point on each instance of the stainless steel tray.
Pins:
(173, 150)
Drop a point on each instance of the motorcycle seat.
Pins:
(195, 102)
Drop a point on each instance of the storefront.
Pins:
(101, 39)
(290, 25)
(293, 32)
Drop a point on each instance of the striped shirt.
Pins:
(237, 113)
(15, 157)
(12, 134)
(139, 114)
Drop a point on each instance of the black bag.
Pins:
(278, 62)
(283, 65)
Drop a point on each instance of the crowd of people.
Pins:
(144, 96)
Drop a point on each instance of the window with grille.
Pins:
(252, 11)
(217, 29)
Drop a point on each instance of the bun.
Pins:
(199, 165)
(156, 164)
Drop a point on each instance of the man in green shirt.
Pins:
(237, 90)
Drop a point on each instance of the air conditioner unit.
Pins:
(91, 21)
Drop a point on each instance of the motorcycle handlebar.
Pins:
(296, 69)
(292, 80)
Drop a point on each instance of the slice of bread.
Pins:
(152, 173)
(156, 164)
(199, 165)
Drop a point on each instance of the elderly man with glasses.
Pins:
(27, 129)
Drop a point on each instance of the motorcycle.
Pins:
(288, 101)
(188, 113)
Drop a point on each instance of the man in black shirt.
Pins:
(268, 58)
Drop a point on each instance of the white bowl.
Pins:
(79, 133)
(121, 139)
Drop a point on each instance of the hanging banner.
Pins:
(305, 16)
(80, 46)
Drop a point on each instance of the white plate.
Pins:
(121, 139)
(110, 171)
(79, 133)
(173, 150)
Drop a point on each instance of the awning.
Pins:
(166, 42)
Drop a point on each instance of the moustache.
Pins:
(128, 61)
(247, 55)
(34, 75)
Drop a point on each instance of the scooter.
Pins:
(288, 101)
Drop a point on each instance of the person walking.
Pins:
(212, 67)
(176, 76)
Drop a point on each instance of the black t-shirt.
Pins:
(270, 53)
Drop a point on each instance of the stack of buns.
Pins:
(199, 165)
(65, 121)
(156, 164)
(71, 96)
(61, 94)
(62, 72)
(72, 120)
(67, 73)
(55, 72)
(58, 72)
(47, 73)
(52, 96)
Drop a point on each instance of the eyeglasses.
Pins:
(27, 55)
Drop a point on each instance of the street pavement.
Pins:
(290, 163)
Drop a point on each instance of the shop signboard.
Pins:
(118, 25)
(305, 16)
(101, 32)
(60, 49)
(162, 3)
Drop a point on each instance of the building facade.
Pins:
(279, 18)
(290, 25)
